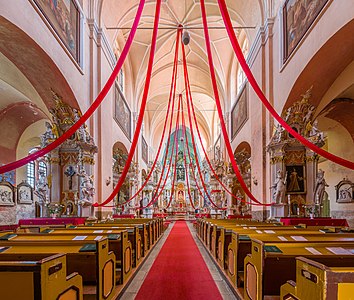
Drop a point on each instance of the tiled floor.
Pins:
(136, 283)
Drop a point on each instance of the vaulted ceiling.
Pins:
(115, 18)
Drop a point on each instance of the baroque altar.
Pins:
(298, 186)
(68, 189)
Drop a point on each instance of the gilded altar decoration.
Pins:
(70, 165)
(289, 155)
(298, 16)
(64, 17)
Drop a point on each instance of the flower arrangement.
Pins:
(55, 209)
(312, 211)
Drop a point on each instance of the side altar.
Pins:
(67, 188)
(298, 188)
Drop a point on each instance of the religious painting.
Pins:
(295, 179)
(345, 191)
(239, 113)
(64, 17)
(144, 151)
(298, 16)
(217, 149)
(122, 114)
(7, 194)
(24, 193)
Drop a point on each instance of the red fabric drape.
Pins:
(21, 162)
(206, 155)
(157, 194)
(225, 15)
(142, 108)
(218, 105)
(171, 96)
(185, 166)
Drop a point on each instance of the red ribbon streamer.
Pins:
(142, 109)
(192, 133)
(21, 162)
(185, 165)
(225, 15)
(175, 143)
(171, 96)
(176, 156)
(218, 105)
(206, 155)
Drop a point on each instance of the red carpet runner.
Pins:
(179, 271)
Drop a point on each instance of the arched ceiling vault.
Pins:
(175, 12)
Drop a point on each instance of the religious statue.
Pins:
(308, 115)
(277, 134)
(42, 188)
(288, 113)
(280, 187)
(87, 187)
(48, 135)
(315, 132)
(239, 197)
(81, 131)
(320, 187)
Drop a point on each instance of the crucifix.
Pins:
(70, 172)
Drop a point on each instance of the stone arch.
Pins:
(27, 77)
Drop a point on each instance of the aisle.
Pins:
(179, 271)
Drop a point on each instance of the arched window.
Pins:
(33, 169)
(31, 177)
(241, 76)
(121, 81)
(120, 78)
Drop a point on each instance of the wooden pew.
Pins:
(145, 229)
(235, 244)
(90, 258)
(156, 226)
(271, 264)
(132, 233)
(318, 281)
(118, 243)
(31, 278)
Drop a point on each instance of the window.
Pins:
(31, 173)
(241, 76)
(42, 167)
(34, 168)
(121, 81)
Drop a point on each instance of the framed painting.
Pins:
(144, 151)
(298, 16)
(24, 193)
(295, 179)
(239, 113)
(7, 194)
(122, 114)
(64, 18)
